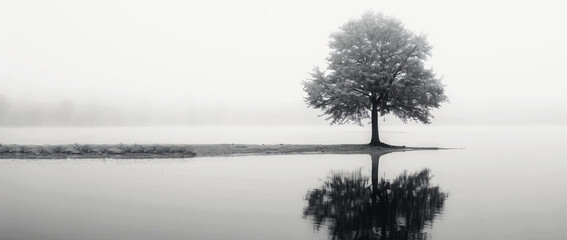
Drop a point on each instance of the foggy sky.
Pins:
(242, 62)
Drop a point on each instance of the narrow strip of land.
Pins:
(137, 151)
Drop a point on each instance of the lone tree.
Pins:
(375, 66)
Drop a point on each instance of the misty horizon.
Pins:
(68, 113)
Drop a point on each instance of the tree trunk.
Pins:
(375, 141)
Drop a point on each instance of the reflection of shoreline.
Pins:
(355, 208)
(9, 151)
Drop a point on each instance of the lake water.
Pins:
(502, 183)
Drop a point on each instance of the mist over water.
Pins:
(408, 135)
(185, 135)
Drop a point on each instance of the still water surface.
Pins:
(506, 183)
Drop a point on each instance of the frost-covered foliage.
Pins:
(375, 61)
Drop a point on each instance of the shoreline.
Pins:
(150, 151)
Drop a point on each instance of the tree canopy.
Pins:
(376, 65)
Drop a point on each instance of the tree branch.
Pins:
(361, 91)
(402, 64)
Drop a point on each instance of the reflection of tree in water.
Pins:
(355, 208)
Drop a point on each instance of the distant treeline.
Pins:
(64, 113)
(67, 112)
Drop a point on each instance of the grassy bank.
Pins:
(179, 151)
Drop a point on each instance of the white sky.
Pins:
(501, 60)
